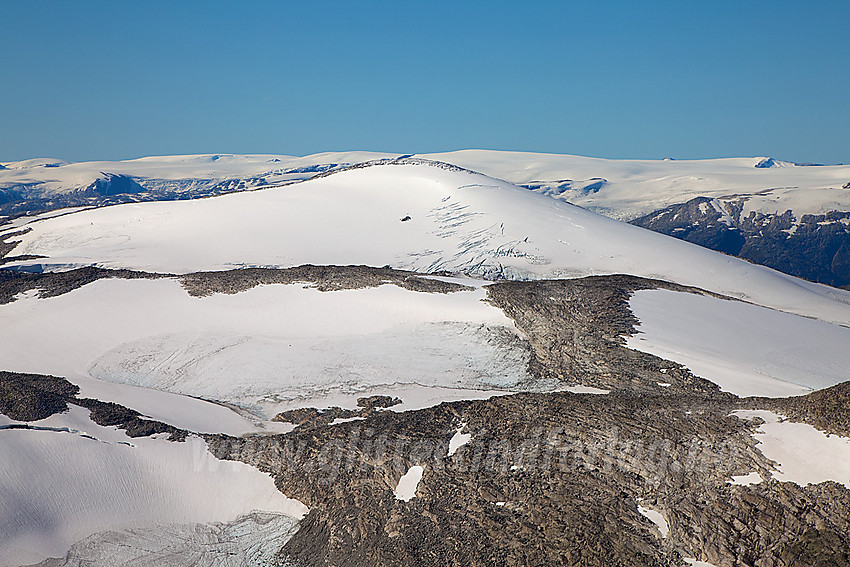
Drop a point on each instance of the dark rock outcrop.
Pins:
(325, 278)
(32, 397)
(53, 284)
(110, 184)
(577, 331)
(813, 247)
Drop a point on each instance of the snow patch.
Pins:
(585, 390)
(408, 483)
(458, 440)
(746, 479)
(74, 486)
(266, 349)
(463, 222)
(656, 518)
(803, 454)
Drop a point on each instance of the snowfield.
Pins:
(58, 487)
(459, 222)
(627, 189)
(266, 349)
(745, 349)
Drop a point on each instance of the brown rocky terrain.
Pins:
(547, 478)
(199, 284)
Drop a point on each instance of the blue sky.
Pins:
(119, 79)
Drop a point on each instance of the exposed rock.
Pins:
(378, 402)
(568, 468)
(324, 278)
(577, 331)
(198, 284)
(814, 247)
(52, 284)
(7, 245)
(546, 478)
(827, 410)
(32, 397)
(110, 184)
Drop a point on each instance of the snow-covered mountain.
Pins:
(628, 189)
(411, 215)
(794, 218)
(282, 327)
(790, 217)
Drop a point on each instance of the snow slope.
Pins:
(266, 349)
(633, 188)
(58, 487)
(745, 349)
(459, 221)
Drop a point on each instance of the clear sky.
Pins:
(117, 79)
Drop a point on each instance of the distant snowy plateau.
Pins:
(465, 358)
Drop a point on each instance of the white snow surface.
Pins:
(265, 349)
(803, 454)
(633, 188)
(60, 486)
(746, 479)
(745, 349)
(460, 222)
(408, 483)
(629, 188)
(656, 518)
(458, 440)
(55, 177)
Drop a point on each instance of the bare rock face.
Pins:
(813, 247)
(30, 397)
(577, 331)
(555, 478)
(378, 402)
(546, 479)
